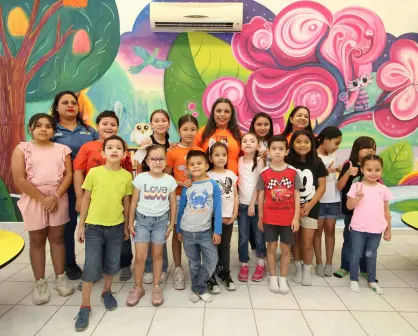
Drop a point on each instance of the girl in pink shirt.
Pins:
(371, 218)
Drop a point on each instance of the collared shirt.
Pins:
(76, 138)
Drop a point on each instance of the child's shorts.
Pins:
(103, 250)
(308, 223)
(35, 217)
(151, 229)
(273, 232)
(329, 210)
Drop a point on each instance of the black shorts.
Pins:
(273, 232)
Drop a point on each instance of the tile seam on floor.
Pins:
(48, 319)
(301, 311)
(252, 307)
(406, 319)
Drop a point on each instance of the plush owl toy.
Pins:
(140, 131)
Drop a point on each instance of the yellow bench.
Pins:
(411, 219)
(11, 246)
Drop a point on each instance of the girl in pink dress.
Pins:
(42, 171)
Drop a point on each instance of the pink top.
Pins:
(369, 214)
(44, 166)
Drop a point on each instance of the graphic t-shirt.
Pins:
(369, 214)
(248, 179)
(309, 174)
(90, 156)
(176, 159)
(234, 147)
(350, 181)
(226, 182)
(332, 194)
(279, 193)
(154, 193)
(108, 187)
(198, 204)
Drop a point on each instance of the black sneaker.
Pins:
(73, 271)
(213, 286)
(227, 281)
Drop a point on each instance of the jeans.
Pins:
(224, 248)
(203, 257)
(346, 250)
(148, 262)
(246, 225)
(70, 227)
(364, 244)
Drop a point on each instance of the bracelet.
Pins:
(59, 198)
(171, 227)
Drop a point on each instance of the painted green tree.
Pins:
(47, 46)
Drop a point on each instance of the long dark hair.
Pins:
(294, 157)
(262, 115)
(289, 127)
(233, 127)
(54, 108)
(330, 132)
(34, 119)
(359, 144)
(210, 152)
(185, 119)
(255, 158)
(144, 165)
(165, 113)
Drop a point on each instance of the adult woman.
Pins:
(73, 132)
(222, 126)
(299, 119)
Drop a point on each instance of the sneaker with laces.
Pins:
(63, 285)
(109, 301)
(227, 281)
(213, 286)
(259, 273)
(134, 296)
(179, 278)
(82, 319)
(243, 273)
(157, 296)
(41, 292)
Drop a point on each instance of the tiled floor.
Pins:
(326, 308)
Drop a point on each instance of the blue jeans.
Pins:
(364, 244)
(203, 257)
(245, 224)
(148, 262)
(346, 250)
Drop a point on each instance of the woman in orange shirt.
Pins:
(222, 126)
(299, 119)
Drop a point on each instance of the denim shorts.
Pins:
(103, 250)
(151, 229)
(329, 210)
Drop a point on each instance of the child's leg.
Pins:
(141, 254)
(37, 241)
(284, 267)
(259, 236)
(271, 257)
(307, 235)
(176, 248)
(86, 294)
(317, 242)
(329, 228)
(370, 253)
(157, 257)
(346, 249)
(225, 248)
(358, 241)
(56, 242)
(204, 243)
(243, 233)
(297, 257)
(251, 238)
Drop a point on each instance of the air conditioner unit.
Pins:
(177, 17)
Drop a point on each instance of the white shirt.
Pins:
(154, 193)
(247, 179)
(332, 194)
(226, 182)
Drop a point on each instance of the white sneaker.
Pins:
(41, 292)
(206, 297)
(195, 298)
(376, 288)
(163, 277)
(148, 278)
(63, 285)
(178, 278)
(354, 287)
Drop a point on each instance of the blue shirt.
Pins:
(75, 139)
(198, 204)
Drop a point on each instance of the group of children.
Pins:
(289, 189)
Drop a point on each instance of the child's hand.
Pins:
(359, 192)
(180, 237)
(305, 209)
(263, 154)
(168, 232)
(49, 203)
(353, 171)
(295, 225)
(126, 232)
(260, 225)
(225, 220)
(388, 234)
(81, 234)
(131, 229)
(216, 239)
(251, 210)
(330, 168)
(187, 183)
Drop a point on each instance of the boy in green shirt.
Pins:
(104, 225)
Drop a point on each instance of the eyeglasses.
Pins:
(157, 160)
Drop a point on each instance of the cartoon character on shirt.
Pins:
(226, 188)
(280, 191)
(308, 190)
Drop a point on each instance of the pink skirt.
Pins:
(34, 215)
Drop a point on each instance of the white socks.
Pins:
(298, 277)
(306, 275)
(273, 284)
(284, 288)
(261, 262)
(354, 287)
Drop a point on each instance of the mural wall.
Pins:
(341, 62)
